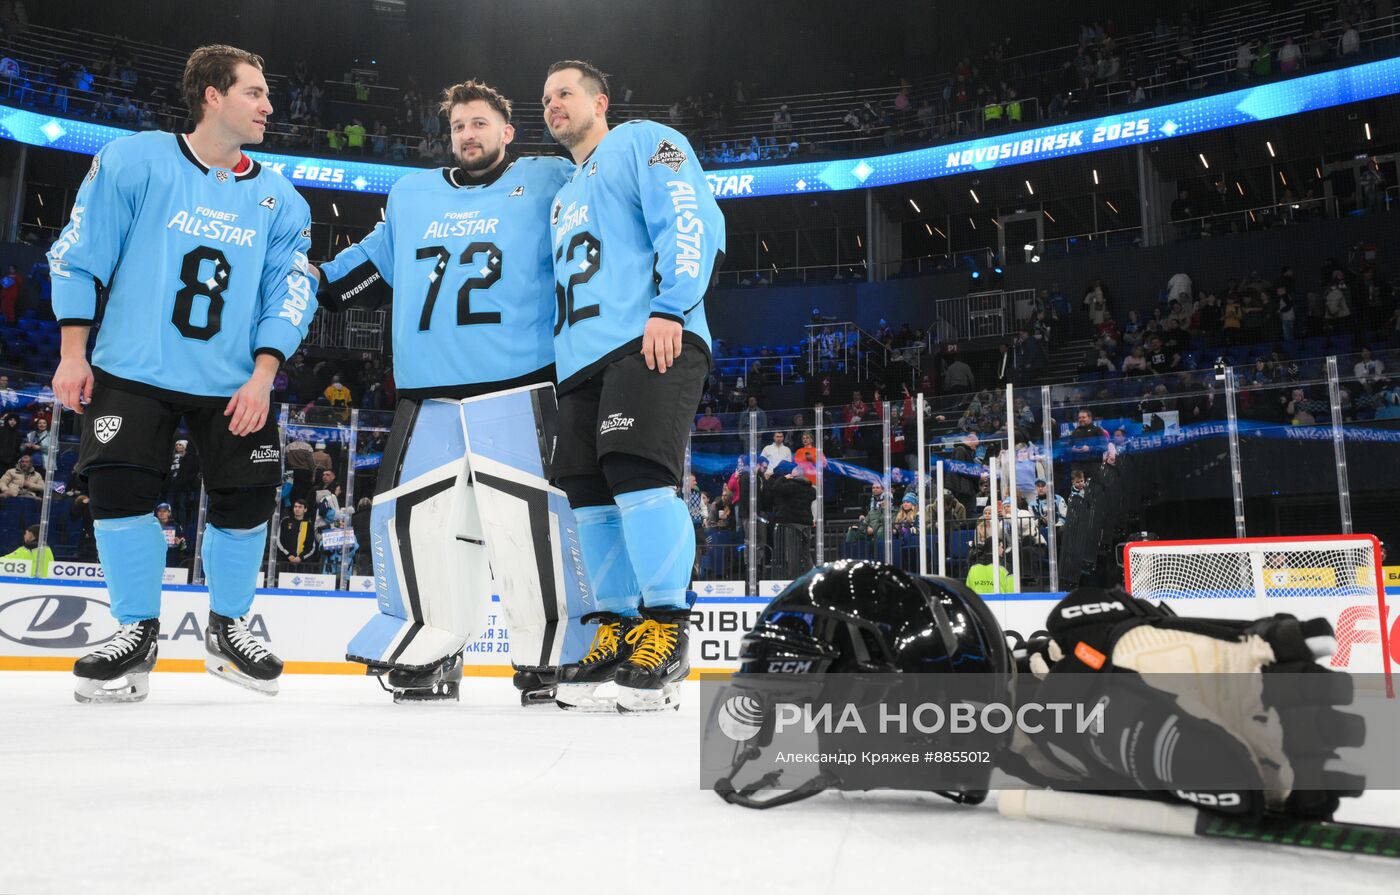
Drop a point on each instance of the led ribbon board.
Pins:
(1144, 125)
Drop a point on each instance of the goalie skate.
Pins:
(440, 682)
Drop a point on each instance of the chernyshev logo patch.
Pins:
(270, 203)
(106, 427)
(518, 191)
(668, 154)
(221, 175)
(266, 453)
(616, 422)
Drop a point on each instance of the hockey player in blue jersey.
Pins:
(201, 257)
(637, 237)
(463, 495)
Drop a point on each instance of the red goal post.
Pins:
(1265, 571)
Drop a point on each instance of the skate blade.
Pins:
(132, 687)
(227, 671)
(583, 698)
(531, 699)
(631, 701)
(443, 692)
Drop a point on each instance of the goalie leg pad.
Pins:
(431, 569)
(529, 529)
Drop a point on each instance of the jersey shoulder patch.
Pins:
(668, 154)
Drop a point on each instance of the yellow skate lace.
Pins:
(658, 640)
(604, 643)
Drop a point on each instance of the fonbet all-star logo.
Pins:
(56, 621)
(265, 453)
(740, 718)
(106, 427)
(616, 422)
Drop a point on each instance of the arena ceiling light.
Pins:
(381, 213)
(929, 229)
(1030, 189)
(1111, 205)
(974, 196)
(1096, 177)
(915, 205)
(1202, 157)
(1050, 216)
(973, 223)
(1270, 146)
(335, 209)
(1368, 130)
(939, 231)
(1239, 188)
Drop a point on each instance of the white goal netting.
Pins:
(1253, 567)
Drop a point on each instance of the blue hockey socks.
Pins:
(605, 559)
(231, 560)
(132, 550)
(660, 543)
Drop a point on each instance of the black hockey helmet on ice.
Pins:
(863, 616)
(846, 627)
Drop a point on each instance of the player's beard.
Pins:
(483, 163)
(572, 133)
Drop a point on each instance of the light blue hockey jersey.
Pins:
(203, 268)
(637, 234)
(471, 278)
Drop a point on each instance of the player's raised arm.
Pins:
(362, 274)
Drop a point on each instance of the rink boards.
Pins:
(46, 623)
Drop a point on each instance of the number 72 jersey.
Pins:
(471, 277)
(203, 268)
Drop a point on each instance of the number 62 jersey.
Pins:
(466, 264)
(203, 268)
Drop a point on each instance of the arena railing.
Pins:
(1162, 456)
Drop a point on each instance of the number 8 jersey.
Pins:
(637, 234)
(203, 268)
(466, 264)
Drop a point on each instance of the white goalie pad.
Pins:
(468, 496)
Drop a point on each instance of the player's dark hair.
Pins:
(591, 75)
(213, 66)
(471, 91)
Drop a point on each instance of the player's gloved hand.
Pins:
(1235, 716)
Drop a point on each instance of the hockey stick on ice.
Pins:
(1141, 815)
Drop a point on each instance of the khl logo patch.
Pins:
(106, 427)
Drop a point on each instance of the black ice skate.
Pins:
(439, 682)
(579, 681)
(649, 681)
(120, 670)
(536, 684)
(236, 657)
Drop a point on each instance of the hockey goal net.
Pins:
(1321, 575)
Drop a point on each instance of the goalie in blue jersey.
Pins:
(200, 256)
(637, 237)
(463, 506)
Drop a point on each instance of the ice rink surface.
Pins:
(330, 788)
